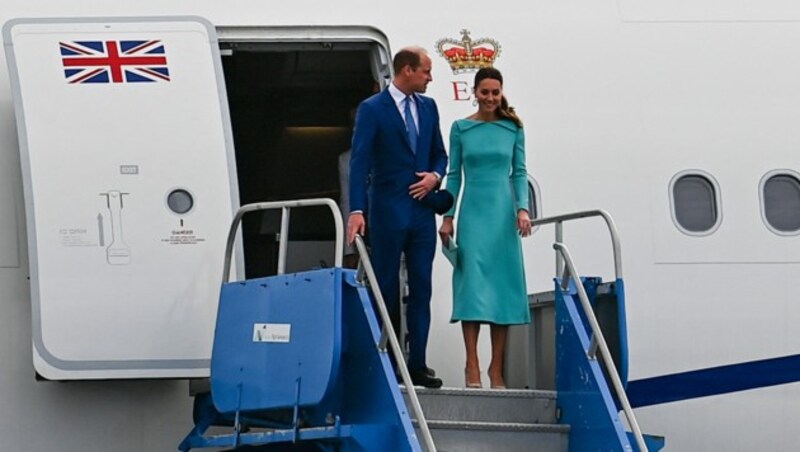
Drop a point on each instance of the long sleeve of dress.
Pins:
(519, 174)
(454, 172)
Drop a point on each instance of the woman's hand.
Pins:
(523, 223)
(446, 231)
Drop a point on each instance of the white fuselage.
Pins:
(617, 97)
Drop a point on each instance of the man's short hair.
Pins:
(409, 56)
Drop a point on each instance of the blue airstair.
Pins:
(300, 363)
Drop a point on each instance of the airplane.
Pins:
(676, 119)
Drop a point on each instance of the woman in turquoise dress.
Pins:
(489, 275)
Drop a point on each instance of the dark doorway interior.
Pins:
(290, 110)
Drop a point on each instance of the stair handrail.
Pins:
(612, 229)
(388, 334)
(283, 237)
(599, 341)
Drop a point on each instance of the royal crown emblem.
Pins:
(468, 55)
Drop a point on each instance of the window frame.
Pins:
(763, 206)
(717, 201)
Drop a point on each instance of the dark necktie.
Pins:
(411, 128)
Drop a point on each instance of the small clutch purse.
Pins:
(450, 250)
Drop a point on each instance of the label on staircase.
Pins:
(272, 332)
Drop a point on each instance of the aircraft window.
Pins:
(694, 196)
(780, 201)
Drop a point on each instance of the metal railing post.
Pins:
(559, 239)
(283, 241)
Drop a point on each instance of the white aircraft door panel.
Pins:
(9, 238)
(129, 180)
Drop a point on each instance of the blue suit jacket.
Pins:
(384, 164)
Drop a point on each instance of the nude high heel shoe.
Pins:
(494, 385)
(472, 385)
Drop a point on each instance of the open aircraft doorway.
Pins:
(292, 92)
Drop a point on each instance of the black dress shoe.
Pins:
(427, 370)
(420, 377)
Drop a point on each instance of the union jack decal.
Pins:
(114, 61)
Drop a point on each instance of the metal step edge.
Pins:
(496, 426)
(515, 393)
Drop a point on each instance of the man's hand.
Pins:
(425, 185)
(355, 225)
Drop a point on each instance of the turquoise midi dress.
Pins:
(489, 274)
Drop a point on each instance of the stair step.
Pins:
(488, 405)
(498, 426)
(495, 436)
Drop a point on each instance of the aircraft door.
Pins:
(130, 187)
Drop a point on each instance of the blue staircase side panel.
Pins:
(584, 399)
(622, 325)
(371, 396)
(277, 341)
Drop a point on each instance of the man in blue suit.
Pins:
(397, 162)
